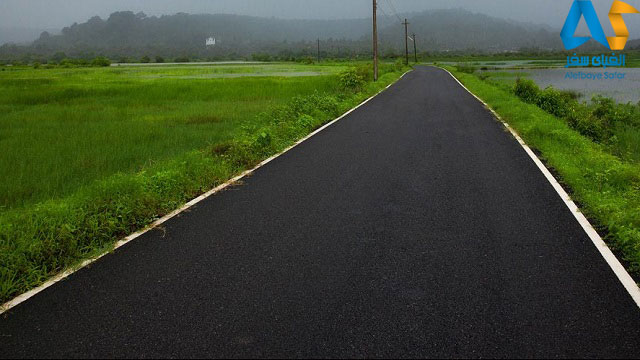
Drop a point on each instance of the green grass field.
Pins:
(90, 155)
(61, 129)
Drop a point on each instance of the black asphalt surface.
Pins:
(414, 227)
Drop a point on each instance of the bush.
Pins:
(159, 59)
(145, 60)
(554, 102)
(600, 121)
(350, 80)
(36, 65)
(365, 71)
(527, 90)
(66, 63)
(182, 59)
(101, 62)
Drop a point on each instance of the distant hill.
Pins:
(452, 30)
(135, 35)
(633, 45)
(19, 35)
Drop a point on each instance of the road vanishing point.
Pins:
(416, 226)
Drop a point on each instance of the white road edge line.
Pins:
(63, 275)
(611, 259)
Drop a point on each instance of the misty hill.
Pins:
(633, 44)
(19, 35)
(451, 30)
(135, 35)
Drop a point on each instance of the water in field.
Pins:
(622, 90)
(239, 75)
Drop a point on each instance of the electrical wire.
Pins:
(393, 8)
(389, 19)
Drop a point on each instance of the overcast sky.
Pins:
(59, 13)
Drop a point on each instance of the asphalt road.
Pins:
(414, 227)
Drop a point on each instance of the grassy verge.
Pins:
(41, 238)
(607, 187)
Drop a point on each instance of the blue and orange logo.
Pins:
(585, 8)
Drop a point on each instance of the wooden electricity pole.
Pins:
(415, 48)
(406, 41)
(375, 40)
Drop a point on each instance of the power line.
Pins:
(385, 14)
(393, 8)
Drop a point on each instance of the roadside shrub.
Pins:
(616, 114)
(365, 71)
(554, 102)
(527, 90)
(145, 59)
(603, 121)
(263, 140)
(350, 80)
(182, 59)
(159, 59)
(36, 65)
(590, 126)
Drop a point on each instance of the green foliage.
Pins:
(527, 90)
(159, 59)
(350, 80)
(307, 60)
(145, 59)
(466, 68)
(182, 59)
(603, 121)
(606, 186)
(36, 65)
(101, 62)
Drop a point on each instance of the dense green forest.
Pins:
(129, 36)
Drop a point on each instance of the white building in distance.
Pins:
(211, 41)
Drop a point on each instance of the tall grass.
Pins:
(62, 129)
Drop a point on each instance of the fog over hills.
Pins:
(136, 34)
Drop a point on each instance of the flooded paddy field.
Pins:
(620, 84)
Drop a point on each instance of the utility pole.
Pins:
(406, 41)
(375, 40)
(415, 48)
(318, 50)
